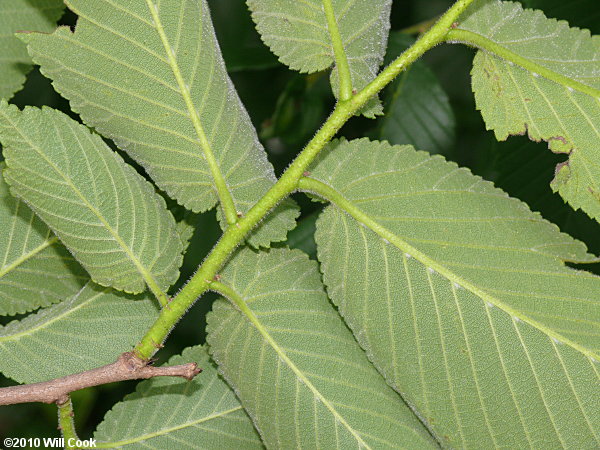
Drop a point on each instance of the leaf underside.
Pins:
(295, 366)
(560, 104)
(525, 169)
(162, 93)
(36, 269)
(71, 336)
(22, 15)
(582, 13)
(202, 413)
(106, 214)
(460, 296)
(297, 32)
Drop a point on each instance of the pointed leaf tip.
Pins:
(106, 214)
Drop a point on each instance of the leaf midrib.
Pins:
(484, 43)
(332, 195)
(26, 256)
(168, 430)
(65, 313)
(223, 192)
(240, 302)
(341, 60)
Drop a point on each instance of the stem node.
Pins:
(346, 107)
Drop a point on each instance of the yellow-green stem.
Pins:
(287, 184)
(341, 60)
(66, 424)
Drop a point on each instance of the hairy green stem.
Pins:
(341, 61)
(436, 35)
(66, 423)
(481, 42)
(288, 183)
(234, 235)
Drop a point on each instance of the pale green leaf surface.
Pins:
(186, 228)
(187, 221)
(238, 39)
(581, 13)
(107, 215)
(35, 269)
(297, 32)
(161, 105)
(302, 237)
(168, 412)
(71, 336)
(295, 366)
(460, 297)
(542, 78)
(21, 15)
(523, 169)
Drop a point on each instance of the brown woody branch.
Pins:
(127, 367)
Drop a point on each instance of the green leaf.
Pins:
(295, 366)
(72, 336)
(302, 237)
(523, 169)
(186, 228)
(240, 43)
(417, 110)
(36, 270)
(297, 32)
(461, 298)
(107, 215)
(580, 13)
(168, 412)
(22, 15)
(160, 90)
(187, 221)
(540, 77)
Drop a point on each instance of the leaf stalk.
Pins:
(481, 42)
(287, 183)
(66, 424)
(341, 60)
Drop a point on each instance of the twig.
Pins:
(288, 183)
(127, 367)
